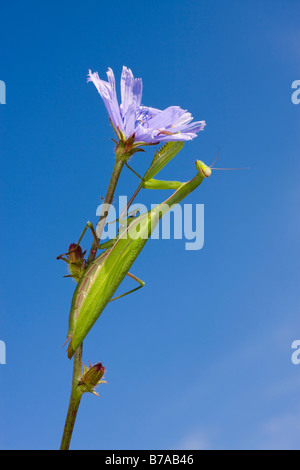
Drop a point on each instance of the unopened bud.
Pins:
(91, 377)
(76, 261)
(75, 253)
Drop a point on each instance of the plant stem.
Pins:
(75, 393)
(119, 163)
(74, 400)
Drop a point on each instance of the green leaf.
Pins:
(162, 157)
(160, 184)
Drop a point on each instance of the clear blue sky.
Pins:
(201, 357)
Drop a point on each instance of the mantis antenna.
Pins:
(215, 158)
(224, 169)
(245, 168)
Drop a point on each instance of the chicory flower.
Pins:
(142, 124)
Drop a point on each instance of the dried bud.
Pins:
(76, 261)
(75, 253)
(91, 377)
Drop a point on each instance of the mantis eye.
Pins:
(204, 169)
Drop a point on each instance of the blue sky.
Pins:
(201, 357)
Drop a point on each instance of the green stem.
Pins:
(74, 400)
(75, 393)
(119, 163)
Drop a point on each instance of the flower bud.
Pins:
(91, 377)
(75, 253)
(76, 261)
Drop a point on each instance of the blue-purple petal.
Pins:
(166, 117)
(108, 94)
(131, 90)
(150, 125)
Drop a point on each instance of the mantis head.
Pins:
(203, 169)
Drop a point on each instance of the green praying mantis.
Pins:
(99, 280)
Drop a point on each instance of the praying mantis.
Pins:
(101, 278)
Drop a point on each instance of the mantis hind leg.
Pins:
(132, 290)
